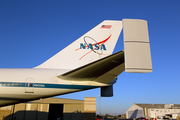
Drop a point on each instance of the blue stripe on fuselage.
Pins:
(44, 85)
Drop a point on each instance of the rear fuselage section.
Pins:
(21, 85)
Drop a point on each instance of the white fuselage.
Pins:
(20, 85)
(91, 62)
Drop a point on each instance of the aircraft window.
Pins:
(19, 84)
(12, 84)
(4, 84)
(15, 84)
(8, 84)
(31, 85)
(0, 84)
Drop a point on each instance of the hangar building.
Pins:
(158, 111)
(51, 109)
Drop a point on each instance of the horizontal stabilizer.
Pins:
(136, 46)
(103, 70)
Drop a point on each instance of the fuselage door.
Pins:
(29, 85)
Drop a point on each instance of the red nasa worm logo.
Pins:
(93, 47)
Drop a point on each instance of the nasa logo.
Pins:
(93, 45)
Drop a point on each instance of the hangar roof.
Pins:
(175, 106)
(57, 101)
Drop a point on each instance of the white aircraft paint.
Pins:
(87, 63)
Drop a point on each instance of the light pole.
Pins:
(99, 104)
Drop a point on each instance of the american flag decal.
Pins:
(106, 26)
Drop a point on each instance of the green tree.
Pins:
(107, 115)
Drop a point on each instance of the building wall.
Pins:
(19, 111)
(73, 111)
(134, 112)
(89, 108)
(5, 111)
(4, 114)
(30, 111)
(158, 113)
(43, 110)
(39, 110)
(90, 104)
(73, 108)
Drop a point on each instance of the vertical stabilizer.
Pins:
(136, 46)
(98, 43)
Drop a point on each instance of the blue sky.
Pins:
(33, 31)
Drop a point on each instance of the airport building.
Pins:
(51, 109)
(158, 111)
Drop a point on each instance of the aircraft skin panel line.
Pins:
(86, 63)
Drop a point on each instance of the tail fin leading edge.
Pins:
(98, 43)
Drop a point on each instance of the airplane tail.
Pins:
(135, 58)
(98, 43)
